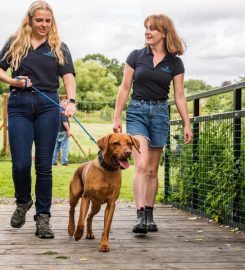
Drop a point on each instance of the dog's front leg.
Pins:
(83, 213)
(109, 211)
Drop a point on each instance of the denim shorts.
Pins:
(149, 119)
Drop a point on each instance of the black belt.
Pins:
(151, 101)
(27, 90)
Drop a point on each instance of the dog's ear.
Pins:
(135, 143)
(103, 143)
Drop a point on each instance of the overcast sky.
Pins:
(214, 30)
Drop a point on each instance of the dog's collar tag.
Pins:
(104, 165)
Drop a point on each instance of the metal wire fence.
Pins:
(208, 177)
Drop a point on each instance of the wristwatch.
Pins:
(71, 100)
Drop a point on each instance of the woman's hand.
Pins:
(70, 109)
(22, 82)
(117, 125)
(187, 134)
(68, 132)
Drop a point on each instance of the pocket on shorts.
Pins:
(163, 106)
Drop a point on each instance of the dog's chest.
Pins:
(103, 187)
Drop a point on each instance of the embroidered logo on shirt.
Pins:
(49, 54)
(166, 69)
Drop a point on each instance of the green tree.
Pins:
(112, 65)
(94, 83)
(196, 86)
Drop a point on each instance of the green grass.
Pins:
(61, 179)
(97, 130)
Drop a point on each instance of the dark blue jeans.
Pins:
(33, 118)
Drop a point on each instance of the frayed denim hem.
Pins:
(140, 134)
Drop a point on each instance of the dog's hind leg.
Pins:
(76, 191)
(71, 224)
(94, 210)
(83, 213)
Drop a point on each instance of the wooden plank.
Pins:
(181, 243)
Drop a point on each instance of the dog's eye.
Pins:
(129, 144)
(116, 143)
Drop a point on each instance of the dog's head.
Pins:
(116, 149)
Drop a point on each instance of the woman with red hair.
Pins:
(149, 71)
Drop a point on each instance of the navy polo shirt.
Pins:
(41, 66)
(149, 82)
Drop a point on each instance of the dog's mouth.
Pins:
(122, 163)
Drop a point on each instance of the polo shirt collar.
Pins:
(149, 52)
(45, 43)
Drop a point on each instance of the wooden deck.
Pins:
(183, 242)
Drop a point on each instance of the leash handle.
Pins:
(58, 105)
(19, 78)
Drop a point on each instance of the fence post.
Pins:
(5, 124)
(195, 156)
(237, 153)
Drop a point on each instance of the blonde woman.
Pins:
(37, 56)
(150, 71)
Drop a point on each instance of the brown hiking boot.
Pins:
(43, 227)
(18, 218)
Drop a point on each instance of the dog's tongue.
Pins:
(123, 164)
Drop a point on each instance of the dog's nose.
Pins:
(127, 153)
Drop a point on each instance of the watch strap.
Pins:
(71, 100)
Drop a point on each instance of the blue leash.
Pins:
(58, 105)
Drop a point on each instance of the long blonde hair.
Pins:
(20, 42)
(173, 43)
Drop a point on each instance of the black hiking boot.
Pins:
(151, 225)
(18, 218)
(140, 225)
(43, 226)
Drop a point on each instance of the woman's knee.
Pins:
(141, 167)
(21, 168)
(152, 172)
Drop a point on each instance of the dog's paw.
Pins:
(104, 248)
(90, 236)
(71, 230)
(78, 235)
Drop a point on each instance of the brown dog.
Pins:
(99, 181)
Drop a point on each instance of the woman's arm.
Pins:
(181, 104)
(122, 97)
(68, 129)
(24, 81)
(70, 87)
